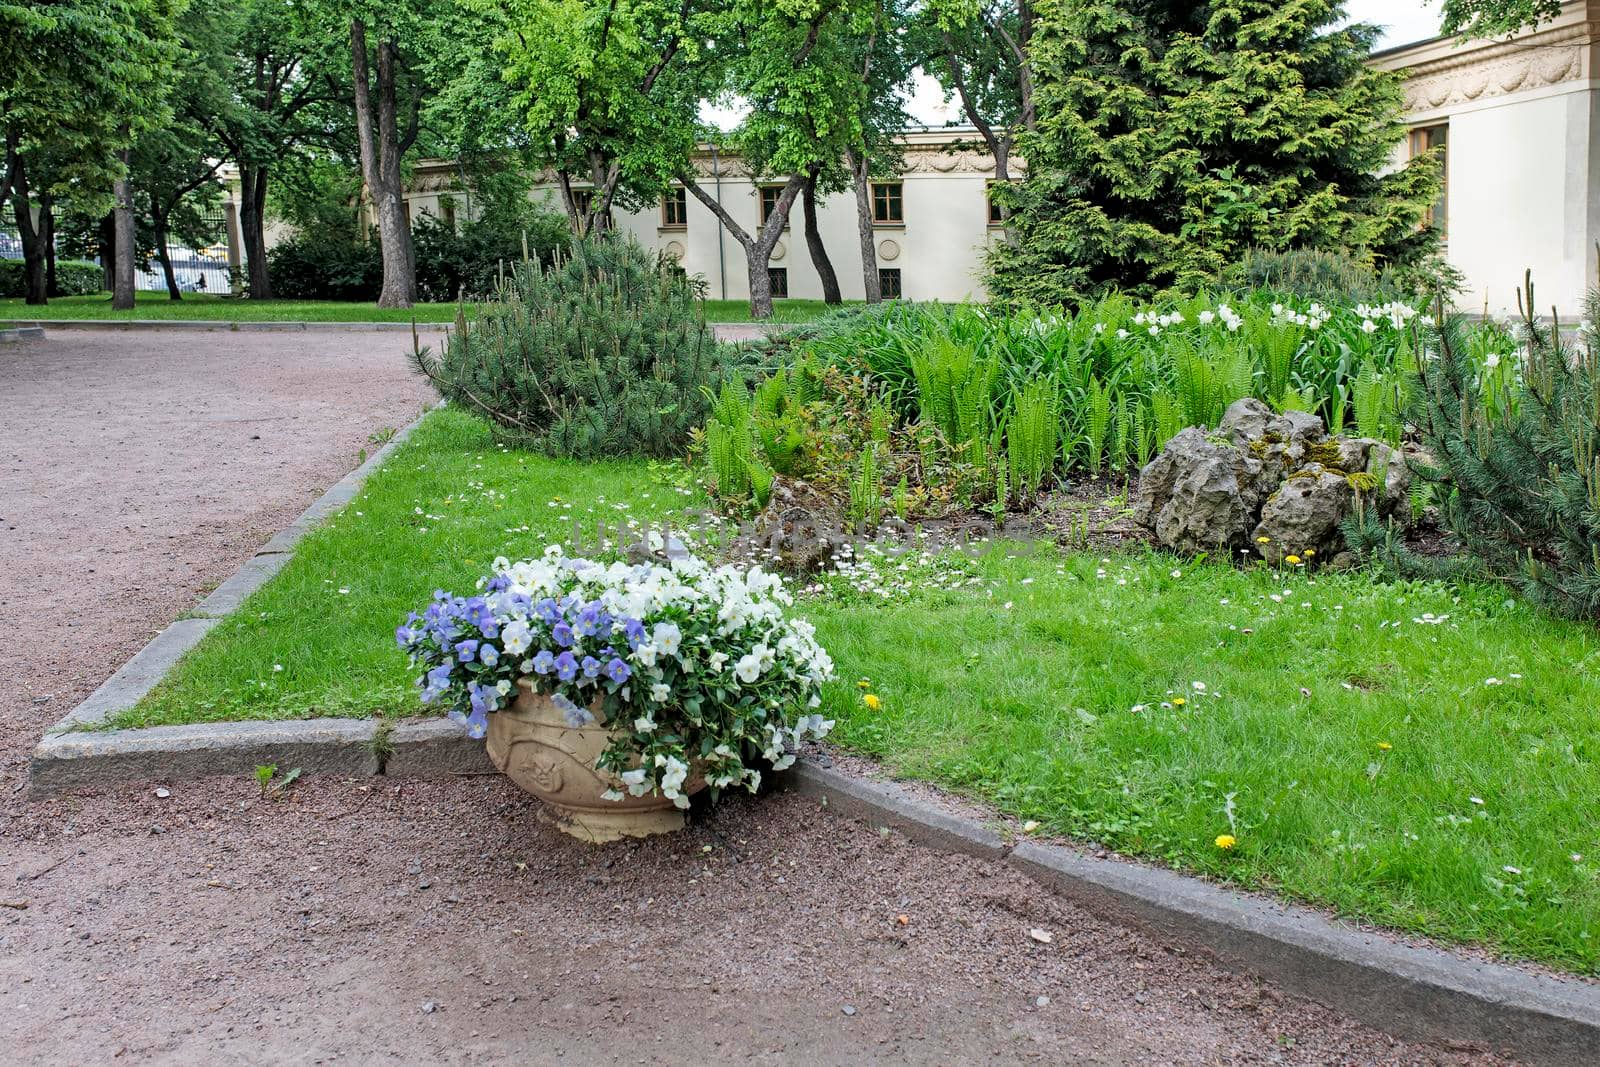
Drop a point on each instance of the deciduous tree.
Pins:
(82, 79)
(606, 92)
(1496, 18)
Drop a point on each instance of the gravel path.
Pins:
(406, 922)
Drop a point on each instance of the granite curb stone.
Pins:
(96, 758)
(887, 804)
(1411, 991)
(433, 748)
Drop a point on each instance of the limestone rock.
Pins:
(1304, 514)
(1245, 421)
(1272, 482)
(1198, 495)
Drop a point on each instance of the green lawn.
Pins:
(215, 308)
(1413, 754)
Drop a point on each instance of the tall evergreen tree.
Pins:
(1173, 136)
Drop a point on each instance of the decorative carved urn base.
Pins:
(532, 744)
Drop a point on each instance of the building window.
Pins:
(887, 208)
(1425, 139)
(675, 209)
(778, 280)
(583, 200)
(770, 195)
(995, 217)
(889, 283)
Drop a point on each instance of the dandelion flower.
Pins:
(1263, 540)
(864, 684)
(1384, 746)
(871, 701)
(1178, 702)
(1291, 560)
(1226, 841)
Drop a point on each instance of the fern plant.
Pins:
(866, 493)
(1096, 425)
(1032, 434)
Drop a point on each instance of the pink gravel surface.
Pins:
(383, 921)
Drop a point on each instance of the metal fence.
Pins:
(197, 270)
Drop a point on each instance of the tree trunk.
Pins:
(869, 254)
(379, 138)
(47, 233)
(122, 290)
(159, 225)
(253, 230)
(760, 275)
(107, 239)
(819, 251)
(29, 230)
(757, 249)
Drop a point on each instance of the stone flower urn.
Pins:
(532, 744)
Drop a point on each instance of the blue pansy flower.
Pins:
(618, 671)
(634, 629)
(591, 667)
(466, 650)
(543, 662)
(562, 633)
(566, 666)
(488, 655)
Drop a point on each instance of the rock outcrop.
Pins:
(1274, 484)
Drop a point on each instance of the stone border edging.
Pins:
(1411, 991)
(24, 331)
(68, 757)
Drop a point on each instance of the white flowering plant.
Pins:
(695, 669)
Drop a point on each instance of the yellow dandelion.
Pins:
(1226, 841)
(872, 702)
(1291, 560)
(1263, 540)
(865, 683)
(1384, 746)
(1178, 702)
(1310, 552)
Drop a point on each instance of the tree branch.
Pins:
(738, 232)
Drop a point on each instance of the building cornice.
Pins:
(1447, 72)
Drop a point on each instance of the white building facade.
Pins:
(932, 222)
(1519, 123)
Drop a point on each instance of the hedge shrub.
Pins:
(74, 277)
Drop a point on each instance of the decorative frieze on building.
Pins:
(1464, 75)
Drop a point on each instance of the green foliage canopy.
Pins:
(1171, 137)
